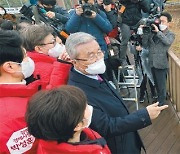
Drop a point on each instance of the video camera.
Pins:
(136, 39)
(26, 10)
(152, 19)
(88, 8)
(58, 26)
(148, 28)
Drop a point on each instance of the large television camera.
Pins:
(153, 18)
(88, 8)
(148, 24)
(56, 24)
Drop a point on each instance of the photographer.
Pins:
(130, 17)
(87, 18)
(108, 7)
(54, 11)
(142, 62)
(158, 41)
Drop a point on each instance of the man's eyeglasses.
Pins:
(53, 42)
(92, 57)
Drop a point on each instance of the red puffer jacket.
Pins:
(49, 70)
(95, 145)
(14, 136)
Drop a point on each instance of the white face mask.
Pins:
(162, 27)
(140, 31)
(98, 67)
(90, 108)
(57, 50)
(27, 67)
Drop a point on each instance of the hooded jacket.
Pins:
(49, 70)
(95, 144)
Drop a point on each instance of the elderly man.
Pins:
(110, 115)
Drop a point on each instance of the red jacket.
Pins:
(49, 70)
(96, 145)
(13, 131)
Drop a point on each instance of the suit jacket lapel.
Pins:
(115, 92)
(80, 78)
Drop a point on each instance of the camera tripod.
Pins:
(138, 61)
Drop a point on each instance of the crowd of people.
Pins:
(56, 95)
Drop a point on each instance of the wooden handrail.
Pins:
(174, 80)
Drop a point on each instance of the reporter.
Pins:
(54, 11)
(158, 42)
(110, 12)
(95, 24)
(130, 18)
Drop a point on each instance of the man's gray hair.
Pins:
(75, 40)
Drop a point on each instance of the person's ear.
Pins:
(38, 49)
(78, 127)
(8, 67)
(74, 62)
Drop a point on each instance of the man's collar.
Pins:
(165, 31)
(95, 77)
(23, 82)
(83, 79)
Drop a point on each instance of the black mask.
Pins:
(49, 9)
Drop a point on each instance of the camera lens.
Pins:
(87, 12)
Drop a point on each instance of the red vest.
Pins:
(95, 147)
(49, 70)
(14, 136)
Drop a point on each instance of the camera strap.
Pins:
(122, 9)
(111, 51)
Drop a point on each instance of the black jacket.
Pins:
(61, 14)
(110, 116)
(111, 15)
(132, 13)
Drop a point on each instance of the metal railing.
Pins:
(174, 81)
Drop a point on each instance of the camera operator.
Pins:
(54, 11)
(158, 41)
(89, 19)
(108, 7)
(130, 17)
